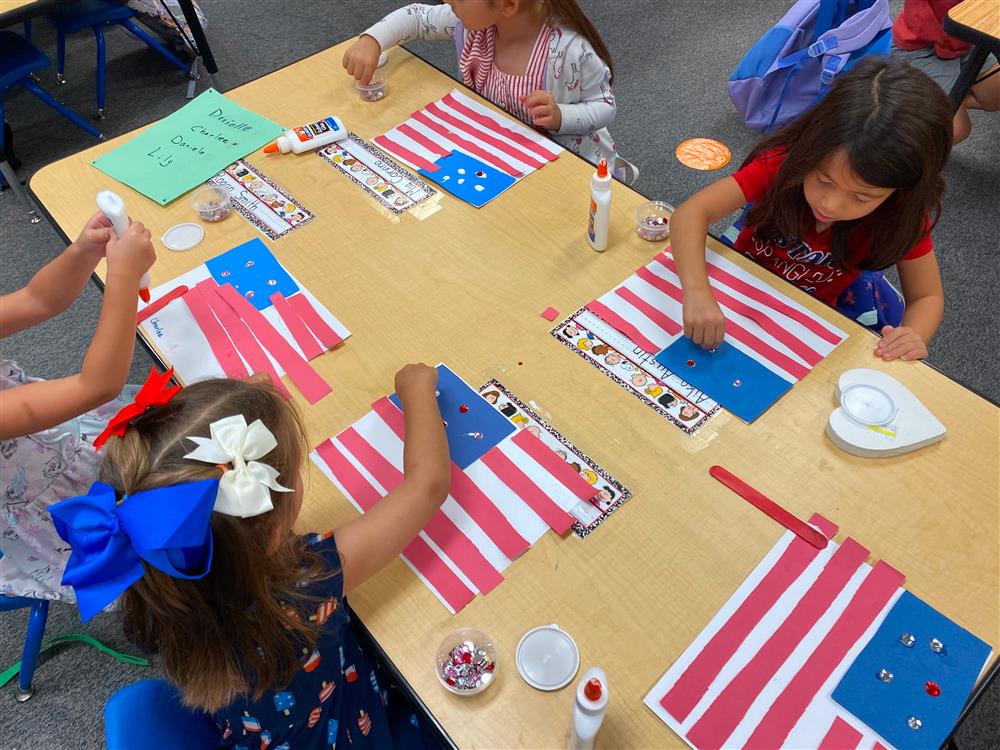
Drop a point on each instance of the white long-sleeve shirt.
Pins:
(575, 75)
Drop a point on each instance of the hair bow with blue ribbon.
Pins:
(168, 527)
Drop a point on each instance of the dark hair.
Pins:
(894, 125)
(569, 13)
(237, 631)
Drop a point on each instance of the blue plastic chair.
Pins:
(149, 714)
(98, 14)
(37, 615)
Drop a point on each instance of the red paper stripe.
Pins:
(729, 708)
(472, 148)
(222, 347)
(415, 135)
(390, 414)
(353, 481)
(488, 122)
(873, 594)
(657, 317)
(297, 327)
(519, 482)
(692, 684)
(485, 137)
(879, 746)
(154, 307)
(842, 736)
(609, 316)
(405, 154)
(486, 515)
(561, 470)
(245, 343)
(319, 327)
(307, 380)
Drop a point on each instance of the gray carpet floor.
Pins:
(672, 60)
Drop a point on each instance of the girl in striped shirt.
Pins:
(541, 60)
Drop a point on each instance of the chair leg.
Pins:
(156, 46)
(60, 57)
(27, 30)
(32, 645)
(15, 185)
(101, 58)
(61, 108)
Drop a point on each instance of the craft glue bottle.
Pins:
(308, 137)
(600, 207)
(588, 713)
(113, 207)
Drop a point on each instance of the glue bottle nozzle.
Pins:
(592, 690)
(271, 148)
(602, 168)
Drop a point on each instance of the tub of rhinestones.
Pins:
(374, 89)
(466, 661)
(212, 204)
(652, 220)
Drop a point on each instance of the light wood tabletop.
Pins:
(8, 5)
(465, 286)
(982, 16)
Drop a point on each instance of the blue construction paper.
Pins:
(480, 417)
(254, 272)
(886, 706)
(737, 381)
(469, 179)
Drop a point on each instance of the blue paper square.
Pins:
(886, 706)
(737, 381)
(461, 427)
(254, 272)
(469, 179)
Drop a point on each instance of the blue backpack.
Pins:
(794, 64)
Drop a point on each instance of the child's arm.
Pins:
(43, 404)
(368, 543)
(58, 283)
(703, 320)
(924, 295)
(433, 23)
(595, 108)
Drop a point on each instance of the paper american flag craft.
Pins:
(771, 341)
(810, 642)
(507, 488)
(470, 150)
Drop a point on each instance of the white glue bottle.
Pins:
(588, 713)
(309, 137)
(113, 207)
(600, 207)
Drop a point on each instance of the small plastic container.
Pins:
(466, 661)
(375, 90)
(212, 204)
(652, 220)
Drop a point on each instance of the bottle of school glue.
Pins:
(600, 207)
(308, 137)
(113, 207)
(588, 713)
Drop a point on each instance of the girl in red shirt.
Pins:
(850, 188)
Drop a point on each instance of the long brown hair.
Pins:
(894, 126)
(236, 631)
(570, 14)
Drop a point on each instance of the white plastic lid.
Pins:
(183, 236)
(867, 404)
(382, 60)
(547, 657)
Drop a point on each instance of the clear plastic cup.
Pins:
(466, 661)
(652, 220)
(375, 90)
(212, 204)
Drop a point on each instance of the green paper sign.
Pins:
(186, 148)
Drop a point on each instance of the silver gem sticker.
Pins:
(914, 723)
(885, 675)
(907, 640)
(936, 646)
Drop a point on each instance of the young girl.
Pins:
(541, 60)
(47, 427)
(249, 619)
(852, 187)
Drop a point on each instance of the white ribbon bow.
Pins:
(244, 490)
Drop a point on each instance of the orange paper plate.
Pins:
(703, 153)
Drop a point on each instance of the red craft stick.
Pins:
(771, 508)
(162, 302)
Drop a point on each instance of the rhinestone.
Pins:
(907, 640)
(932, 689)
(936, 646)
(885, 675)
(737, 383)
(913, 722)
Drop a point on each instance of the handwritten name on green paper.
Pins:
(185, 149)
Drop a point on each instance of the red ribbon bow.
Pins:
(152, 394)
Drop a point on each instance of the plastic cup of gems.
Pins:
(212, 204)
(652, 220)
(466, 661)
(375, 90)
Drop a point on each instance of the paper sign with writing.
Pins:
(188, 147)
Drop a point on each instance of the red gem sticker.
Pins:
(932, 689)
(463, 408)
(690, 363)
(249, 264)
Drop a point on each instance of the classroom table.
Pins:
(16, 11)
(978, 22)
(465, 287)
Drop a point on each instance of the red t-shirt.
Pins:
(807, 263)
(921, 24)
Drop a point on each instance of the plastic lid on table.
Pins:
(183, 236)
(547, 657)
(868, 404)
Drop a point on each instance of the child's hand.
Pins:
(543, 110)
(361, 59)
(132, 255)
(704, 322)
(900, 343)
(418, 379)
(94, 236)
